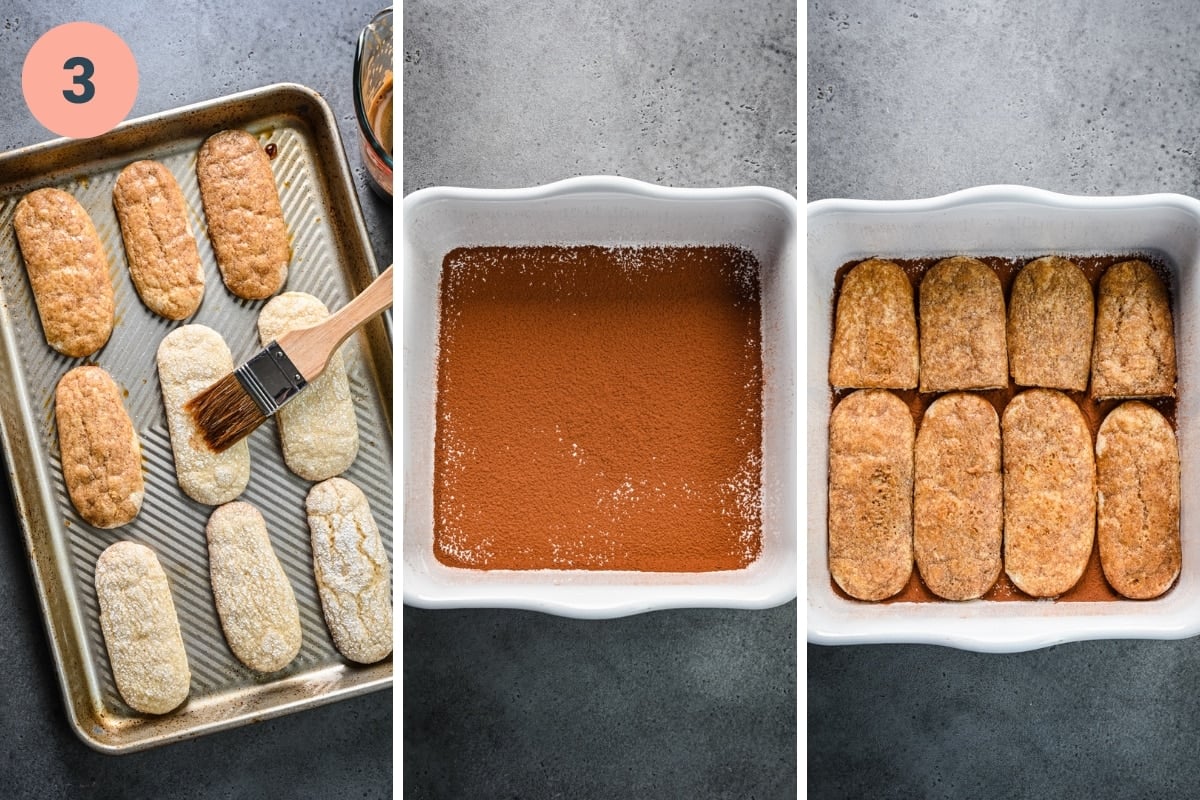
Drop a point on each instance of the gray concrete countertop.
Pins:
(187, 52)
(691, 704)
(915, 99)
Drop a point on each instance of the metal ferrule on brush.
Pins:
(270, 379)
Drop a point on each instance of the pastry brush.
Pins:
(232, 407)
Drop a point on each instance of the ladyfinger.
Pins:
(68, 271)
(963, 342)
(1050, 322)
(875, 335)
(1049, 492)
(318, 430)
(163, 260)
(100, 451)
(958, 497)
(352, 570)
(871, 435)
(1134, 350)
(141, 630)
(245, 219)
(190, 358)
(1137, 515)
(254, 599)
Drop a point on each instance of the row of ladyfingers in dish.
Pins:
(1054, 335)
(971, 494)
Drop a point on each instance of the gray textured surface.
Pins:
(675, 704)
(915, 99)
(187, 53)
(682, 93)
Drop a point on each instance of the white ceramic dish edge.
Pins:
(601, 210)
(1006, 221)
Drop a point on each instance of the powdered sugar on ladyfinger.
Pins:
(318, 430)
(141, 629)
(254, 599)
(352, 570)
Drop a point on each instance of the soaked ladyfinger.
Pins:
(958, 497)
(245, 220)
(963, 340)
(1134, 350)
(1049, 492)
(99, 447)
(163, 260)
(68, 271)
(875, 334)
(1051, 316)
(871, 436)
(1137, 518)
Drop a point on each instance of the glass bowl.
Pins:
(373, 80)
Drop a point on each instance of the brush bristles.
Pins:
(224, 413)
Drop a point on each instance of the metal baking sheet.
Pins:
(331, 259)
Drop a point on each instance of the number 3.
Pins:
(87, 89)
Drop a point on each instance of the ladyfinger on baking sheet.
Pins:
(254, 599)
(191, 358)
(141, 629)
(1134, 351)
(318, 430)
(67, 270)
(352, 570)
(875, 333)
(99, 448)
(164, 262)
(871, 437)
(245, 220)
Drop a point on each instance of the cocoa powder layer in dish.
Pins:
(1092, 586)
(599, 408)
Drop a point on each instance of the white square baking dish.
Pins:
(605, 211)
(1017, 222)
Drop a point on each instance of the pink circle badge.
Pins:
(80, 79)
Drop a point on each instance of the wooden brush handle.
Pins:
(311, 348)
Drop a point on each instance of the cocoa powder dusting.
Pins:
(1092, 585)
(599, 408)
